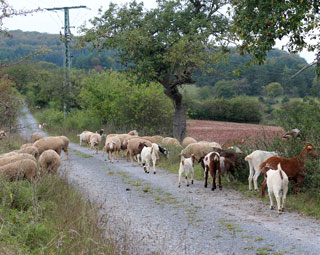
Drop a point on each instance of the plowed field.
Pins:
(220, 132)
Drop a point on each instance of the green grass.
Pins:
(81, 154)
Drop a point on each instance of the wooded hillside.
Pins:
(279, 67)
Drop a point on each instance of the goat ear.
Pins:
(200, 159)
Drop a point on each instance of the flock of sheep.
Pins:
(42, 155)
(35, 159)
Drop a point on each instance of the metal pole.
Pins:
(67, 55)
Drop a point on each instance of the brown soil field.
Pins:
(221, 132)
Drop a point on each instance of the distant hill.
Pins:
(279, 66)
(21, 44)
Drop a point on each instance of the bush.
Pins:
(115, 102)
(80, 120)
(51, 116)
(238, 109)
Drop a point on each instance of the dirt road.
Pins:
(154, 216)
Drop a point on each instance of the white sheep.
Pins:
(65, 147)
(35, 137)
(32, 150)
(55, 143)
(186, 167)
(8, 154)
(170, 141)
(133, 133)
(95, 140)
(212, 144)
(15, 157)
(188, 140)
(112, 147)
(135, 146)
(25, 168)
(85, 137)
(254, 160)
(277, 182)
(199, 150)
(148, 154)
(49, 162)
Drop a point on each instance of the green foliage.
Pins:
(224, 89)
(111, 98)
(238, 109)
(274, 89)
(9, 103)
(302, 115)
(142, 37)
(79, 120)
(285, 100)
(51, 116)
(258, 24)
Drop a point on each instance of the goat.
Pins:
(229, 161)
(293, 167)
(211, 163)
(186, 167)
(277, 182)
(254, 160)
(147, 154)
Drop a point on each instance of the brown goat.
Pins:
(211, 163)
(293, 167)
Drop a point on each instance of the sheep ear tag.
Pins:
(309, 147)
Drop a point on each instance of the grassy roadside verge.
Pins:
(47, 217)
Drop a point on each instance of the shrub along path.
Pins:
(149, 214)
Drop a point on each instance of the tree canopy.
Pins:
(165, 44)
(258, 24)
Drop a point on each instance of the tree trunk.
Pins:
(179, 119)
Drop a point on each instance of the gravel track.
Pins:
(154, 216)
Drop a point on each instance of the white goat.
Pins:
(148, 154)
(186, 167)
(254, 160)
(277, 182)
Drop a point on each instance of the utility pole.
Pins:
(67, 52)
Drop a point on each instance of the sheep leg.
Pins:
(255, 179)
(131, 157)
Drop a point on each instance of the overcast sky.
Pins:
(53, 21)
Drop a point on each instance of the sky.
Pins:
(52, 22)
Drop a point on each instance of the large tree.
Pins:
(165, 44)
(258, 24)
